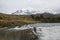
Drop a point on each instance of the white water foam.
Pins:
(43, 33)
(49, 33)
(21, 28)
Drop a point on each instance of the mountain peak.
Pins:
(25, 11)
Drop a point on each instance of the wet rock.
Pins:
(17, 35)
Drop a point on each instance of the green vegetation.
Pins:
(8, 20)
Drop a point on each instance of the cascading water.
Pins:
(47, 31)
(44, 31)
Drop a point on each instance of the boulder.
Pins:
(26, 34)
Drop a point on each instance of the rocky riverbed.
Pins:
(26, 34)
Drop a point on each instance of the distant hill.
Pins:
(57, 14)
(47, 14)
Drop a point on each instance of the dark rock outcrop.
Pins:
(17, 35)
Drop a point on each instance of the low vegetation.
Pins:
(9, 20)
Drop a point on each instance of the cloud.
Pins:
(9, 6)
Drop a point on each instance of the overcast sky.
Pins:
(10, 6)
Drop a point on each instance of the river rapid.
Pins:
(44, 31)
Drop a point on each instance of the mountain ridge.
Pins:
(25, 12)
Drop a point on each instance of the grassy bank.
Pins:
(9, 20)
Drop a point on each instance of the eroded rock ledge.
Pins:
(26, 34)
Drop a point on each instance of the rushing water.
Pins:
(45, 31)
(48, 31)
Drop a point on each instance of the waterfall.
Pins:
(43, 31)
(49, 33)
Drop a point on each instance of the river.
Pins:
(44, 31)
(47, 31)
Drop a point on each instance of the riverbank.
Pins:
(9, 20)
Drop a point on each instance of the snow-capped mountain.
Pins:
(25, 12)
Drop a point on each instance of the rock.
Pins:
(17, 35)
